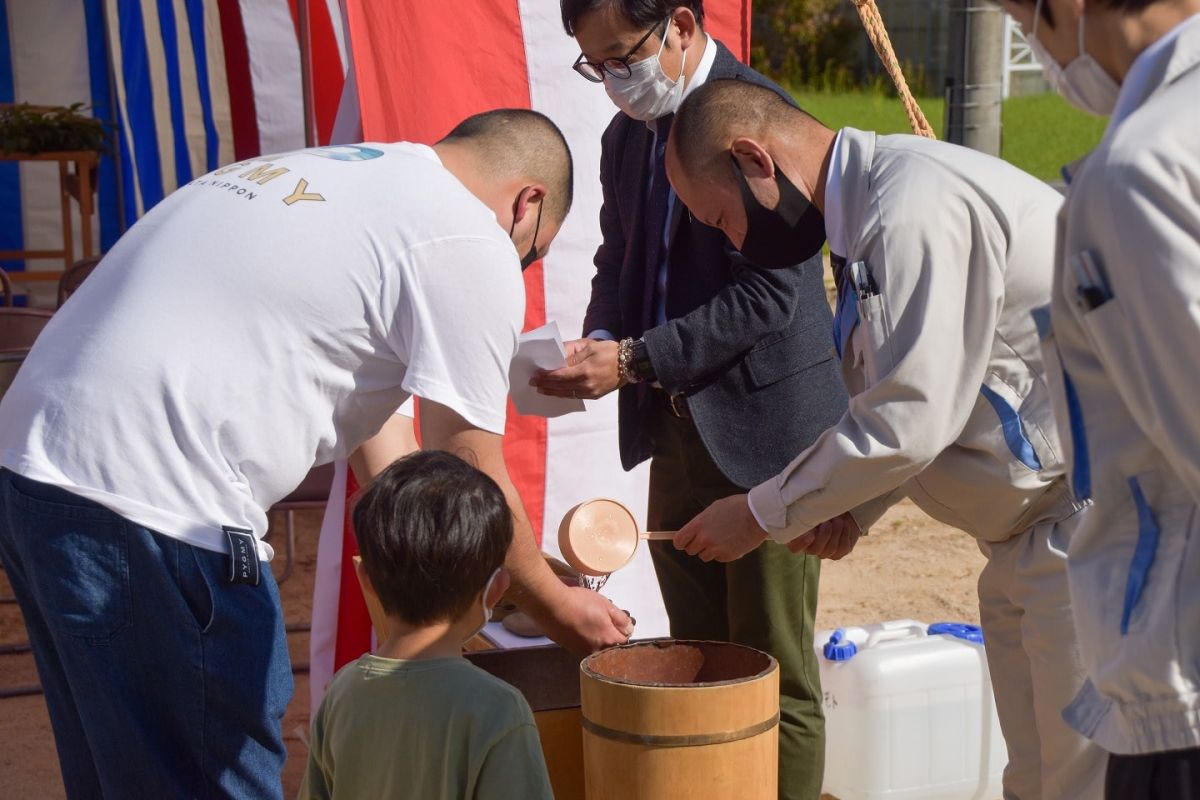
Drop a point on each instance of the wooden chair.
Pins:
(73, 277)
(19, 327)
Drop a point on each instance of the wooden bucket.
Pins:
(680, 719)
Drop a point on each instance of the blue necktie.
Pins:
(840, 273)
(845, 316)
(657, 200)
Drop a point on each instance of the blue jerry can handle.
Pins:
(959, 630)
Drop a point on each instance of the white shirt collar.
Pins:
(707, 59)
(700, 76)
(835, 231)
(1141, 72)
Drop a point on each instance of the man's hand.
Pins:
(579, 619)
(591, 371)
(725, 531)
(584, 621)
(832, 539)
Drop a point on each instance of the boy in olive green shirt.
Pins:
(415, 719)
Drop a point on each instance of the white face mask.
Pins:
(647, 93)
(487, 611)
(1083, 83)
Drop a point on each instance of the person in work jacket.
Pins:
(1125, 325)
(940, 254)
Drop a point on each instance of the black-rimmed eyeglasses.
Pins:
(615, 67)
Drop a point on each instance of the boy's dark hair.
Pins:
(642, 13)
(431, 530)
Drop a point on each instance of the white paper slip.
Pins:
(497, 634)
(541, 348)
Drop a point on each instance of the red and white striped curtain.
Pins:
(419, 68)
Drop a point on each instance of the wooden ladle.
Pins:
(598, 537)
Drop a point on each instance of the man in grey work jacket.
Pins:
(940, 255)
(1126, 328)
(725, 369)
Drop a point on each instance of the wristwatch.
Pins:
(633, 361)
(641, 362)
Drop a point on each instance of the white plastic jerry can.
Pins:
(909, 713)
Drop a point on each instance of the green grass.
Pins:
(1041, 132)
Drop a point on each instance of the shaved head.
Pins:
(720, 111)
(731, 135)
(523, 145)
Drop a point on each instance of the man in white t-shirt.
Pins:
(265, 317)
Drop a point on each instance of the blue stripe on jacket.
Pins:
(1143, 554)
(1014, 432)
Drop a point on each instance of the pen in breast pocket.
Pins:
(864, 282)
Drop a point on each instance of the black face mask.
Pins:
(788, 234)
(532, 256)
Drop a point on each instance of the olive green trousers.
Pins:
(766, 600)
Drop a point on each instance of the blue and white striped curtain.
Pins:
(158, 72)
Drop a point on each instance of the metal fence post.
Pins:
(975, 82)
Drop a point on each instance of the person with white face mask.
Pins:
(413, 718)
(697, 339)
(1120, 341)
(1081, 81)
(647, 93)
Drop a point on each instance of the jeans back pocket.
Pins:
(76, 560)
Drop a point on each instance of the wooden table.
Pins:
(77, 185)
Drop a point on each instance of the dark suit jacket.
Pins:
(750, 348)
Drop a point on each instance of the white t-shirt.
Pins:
(264, 318)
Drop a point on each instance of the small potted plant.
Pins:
(31, 130)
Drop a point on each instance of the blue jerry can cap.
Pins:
(959, 630)
(839, 648)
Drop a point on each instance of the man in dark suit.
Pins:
(725, 370)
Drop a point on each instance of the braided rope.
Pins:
(873, 22)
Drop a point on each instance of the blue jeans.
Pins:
(162, 680)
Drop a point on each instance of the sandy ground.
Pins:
(909, 566)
